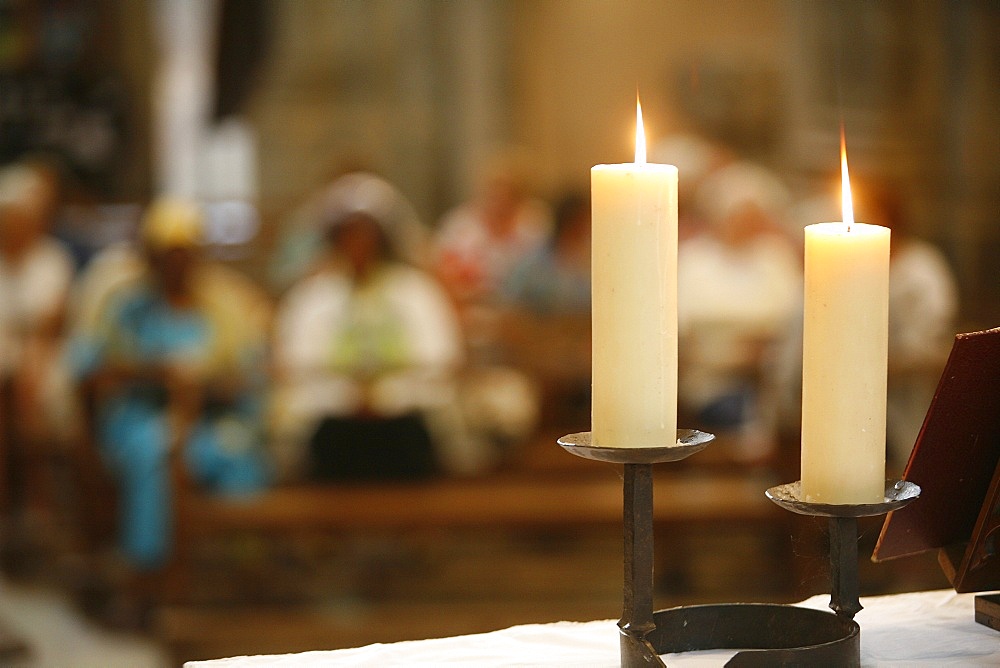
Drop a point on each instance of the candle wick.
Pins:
(640, 134)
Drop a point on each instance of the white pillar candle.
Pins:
(634, 277)
(844, 360)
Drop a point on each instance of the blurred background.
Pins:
(246, 229)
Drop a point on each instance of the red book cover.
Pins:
(955, 457)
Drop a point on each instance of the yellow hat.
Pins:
(172, 223)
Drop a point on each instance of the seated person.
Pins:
(174, 367)
(480, 241)
(35, 276)
(739, 285)
(555, 279)
(366, 351)
(545, 329)
(923, 309)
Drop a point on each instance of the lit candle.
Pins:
(634, 277)
(844, 358)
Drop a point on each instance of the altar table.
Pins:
(932, 628)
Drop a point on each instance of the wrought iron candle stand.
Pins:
(767, 634)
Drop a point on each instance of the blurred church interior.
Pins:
(253, 108)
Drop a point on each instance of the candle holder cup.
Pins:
(766, 634)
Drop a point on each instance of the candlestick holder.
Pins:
(767, 634)
(843, 527)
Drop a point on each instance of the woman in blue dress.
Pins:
(175, 368)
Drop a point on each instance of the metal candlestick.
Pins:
(638, 619)
(768, 634)
(844, 589)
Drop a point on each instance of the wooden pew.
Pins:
(510, 501)
(502, 501)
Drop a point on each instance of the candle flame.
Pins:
(848, 207)
(640, 134)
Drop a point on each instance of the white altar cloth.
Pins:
(934, 628)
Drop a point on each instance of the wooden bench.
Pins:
(535, 500)
(509, 501)
(502, 501)
(542, 489)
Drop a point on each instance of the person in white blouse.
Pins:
(923, 309)
(739, 284)
(367, 350)
(479, 242)
(35, 276)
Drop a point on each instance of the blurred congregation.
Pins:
(248, 245)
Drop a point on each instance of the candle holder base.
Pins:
(765, 634)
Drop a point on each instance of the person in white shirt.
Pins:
(35, 276)
(923, 307)
(478, 243)
(367, 350)
(739, 286)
